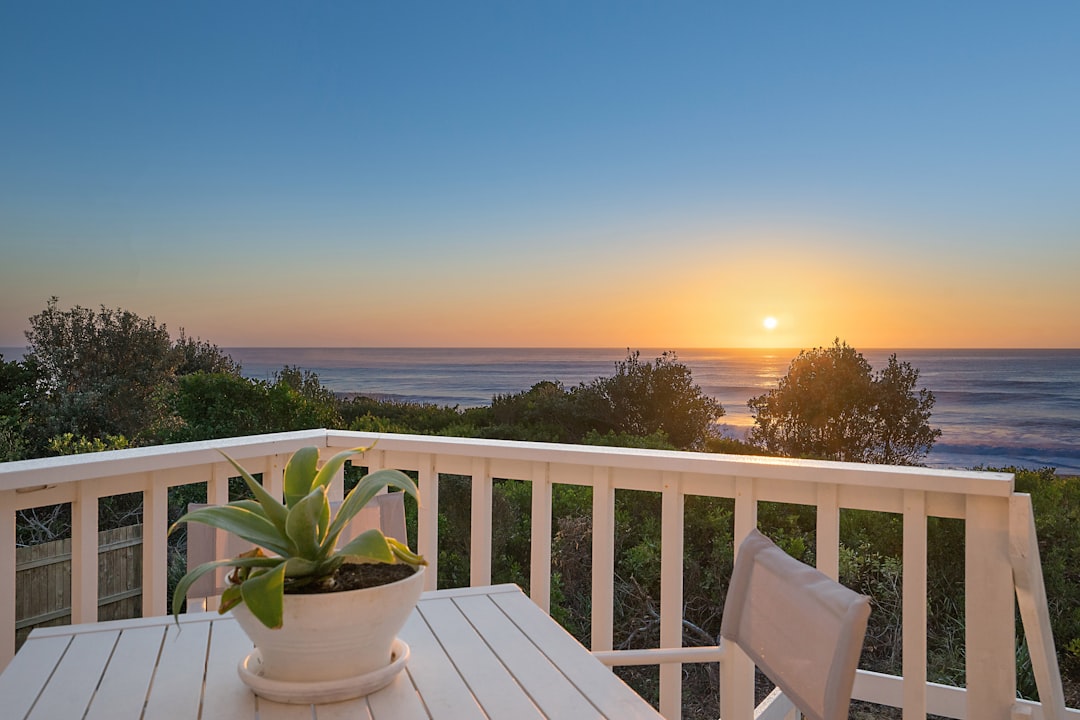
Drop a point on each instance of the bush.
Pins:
(830, 406)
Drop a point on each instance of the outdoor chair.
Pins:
(802, 629)
(385, 512)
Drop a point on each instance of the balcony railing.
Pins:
(1002, 568)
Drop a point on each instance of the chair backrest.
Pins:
(802, 628)
(385, 512)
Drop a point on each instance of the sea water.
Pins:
(995, 408)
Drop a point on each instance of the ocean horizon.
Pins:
(996, 407)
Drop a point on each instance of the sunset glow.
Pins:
(400, 175)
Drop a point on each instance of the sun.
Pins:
(769, 323)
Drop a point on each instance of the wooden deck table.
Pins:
(475, 653)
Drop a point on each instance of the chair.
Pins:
(385, 512)
(803, 630)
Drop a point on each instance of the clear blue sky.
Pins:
(567, 174)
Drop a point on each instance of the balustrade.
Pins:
(1000, 542)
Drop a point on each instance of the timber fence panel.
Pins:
(43, 580)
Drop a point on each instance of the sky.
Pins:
(546, 174)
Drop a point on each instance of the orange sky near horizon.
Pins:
(655, 301)
(533, 175)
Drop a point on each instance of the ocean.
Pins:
(995, 408)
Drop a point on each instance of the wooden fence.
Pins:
(43, 580)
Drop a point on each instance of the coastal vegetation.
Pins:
(832, 406)
(110, 379)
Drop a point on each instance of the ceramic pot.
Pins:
(333, 636)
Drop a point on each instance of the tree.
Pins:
(902, 415)
(643, 404)
(831, 406)
(204, 406)
(102, 373)
(98, 370)
(193, 355)
(646, 398)
(546, 412)
(18, 388)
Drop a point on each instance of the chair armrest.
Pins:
(662, 656)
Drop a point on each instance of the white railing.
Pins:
(1001, 555)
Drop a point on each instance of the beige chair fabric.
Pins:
(803, 629)
(385, 512)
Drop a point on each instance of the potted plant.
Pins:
(316, 638)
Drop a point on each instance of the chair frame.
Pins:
(812, 589)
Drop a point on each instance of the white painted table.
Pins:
(475, 653)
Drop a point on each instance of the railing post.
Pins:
(336, 491)
(603, 559)
(84, 553)
(914, 605)
(990, 610)
(828, 530)
(540, 551)
(7, 573)
(480, 524)
(217, 493)
(1031, 598)
(671, 591)
(737, 691)
(427, 531)
(155, 549)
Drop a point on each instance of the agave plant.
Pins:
(300, 533)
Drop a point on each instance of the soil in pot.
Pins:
(356, 576)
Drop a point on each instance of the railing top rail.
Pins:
(969, 482)
(73, 468)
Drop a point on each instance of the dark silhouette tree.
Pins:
(831, 406)
(902, 433)
(644, 398)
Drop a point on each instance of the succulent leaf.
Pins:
(264, 595)
(302, 524)
(302, 534)
(182, 587)
(329, 470)
(301, 567)
(300, 474)
(362, 494)
(404, 554)
(274, 510)
(370, 546)
(244, 524)
(252, 505)
(230, 598)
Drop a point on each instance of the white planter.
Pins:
(335, 640)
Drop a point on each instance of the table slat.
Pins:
(122, 692)
(434, 676)
(282, 711)
(356, 709)
(475, 653)
(225, 697)
(398, 701)
(28, 673)
(493, 685)
(72, 686)
(605, 690)
(176, 688)
(548, 686)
